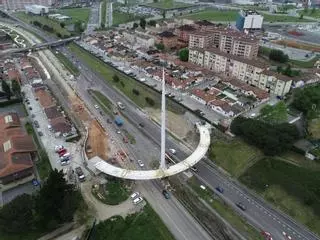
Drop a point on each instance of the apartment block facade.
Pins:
(20, 4)
(250, 71)
(226, 40)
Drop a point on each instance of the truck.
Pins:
(80, 174)
(118, 121)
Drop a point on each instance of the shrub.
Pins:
(135, 92)
(150, 101)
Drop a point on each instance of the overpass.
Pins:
(195, 157)
(40, 46)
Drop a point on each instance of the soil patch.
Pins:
(79, 108)
(97, 141)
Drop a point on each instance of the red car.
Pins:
(62, 152)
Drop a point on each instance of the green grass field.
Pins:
(77, 14)
(311, 13)
(305, 64)
(66, 62)
(120, 17)
(293, 189)
(168, 4)
(232, 15)
(274, 114)
(45, 21)
(234, 157)
(144, 225)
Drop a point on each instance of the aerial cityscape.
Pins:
(159, 119)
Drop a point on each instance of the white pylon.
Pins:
(163, 123)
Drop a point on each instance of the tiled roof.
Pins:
(203, 95)
(45, 98)
(15, 146)
(166, 34)
(13, 74)
(222, 104)
(60, 125)
(52, 112)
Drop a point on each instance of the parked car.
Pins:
(96, 106)
(80, 174)
(241, 206)
(137, 200)
(141, 125)
(194, 168)
(220, 189)
(36, 123)
(125, 140)
(40, 133)
(64, 162)
(62, 152)
(141, 164)
(135, 195)
(166, 194)
(57, 148)
(109, 121)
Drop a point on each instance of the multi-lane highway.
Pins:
(258, 213)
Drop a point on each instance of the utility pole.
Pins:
(163, 123)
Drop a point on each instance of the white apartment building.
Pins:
(250, 71)
(20, 4)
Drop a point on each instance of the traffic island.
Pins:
(113, 192)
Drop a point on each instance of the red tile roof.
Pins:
(203, 95)
(15, 146)
(45, 98)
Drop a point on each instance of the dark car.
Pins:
(220, 189)
(109, 121)
(241, 206)
(141, 125)
(194, 168)
(166, 194)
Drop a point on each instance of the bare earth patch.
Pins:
(176, 123)
(97, 144)
(314, 128)
(79, 108)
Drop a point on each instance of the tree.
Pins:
(313, 11)
(164, 14)
(301, 16)
(278, 55)
(143, 23)
(160, 46)
(135, 25)
(272, 139)
(115, 78)
(155, 1)
(184, 54)
(6, 89)
(78, 26)
(152, 23)
(56, 202)
(16, 88)
(62, 24)
(17, 215)
(103, 25)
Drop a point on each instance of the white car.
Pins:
(141, 164)
(135, 195)
(137, 200)
(120, 105)
(173, 151)
(96, 106)
(142, 79)
(57, 148)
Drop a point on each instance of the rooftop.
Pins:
(166, 34)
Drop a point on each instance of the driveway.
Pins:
(12, 193)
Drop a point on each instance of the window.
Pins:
(7, 146)
(8, 119)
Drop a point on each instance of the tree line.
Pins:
(54, 204)
(272, 139)
(15, 89)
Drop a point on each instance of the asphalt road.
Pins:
(258, 213)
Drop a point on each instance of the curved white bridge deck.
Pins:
(195, 157)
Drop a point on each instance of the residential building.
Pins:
(17, 150)
(20, 4)
(249, 20)
(226, 40)
(204, 25)
(168, 39)
(249, 71)
(144, 40)
(183, 32)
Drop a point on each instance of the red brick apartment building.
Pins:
(17, 150)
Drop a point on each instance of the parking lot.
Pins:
(48, 138)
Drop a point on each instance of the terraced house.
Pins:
(17, 151)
